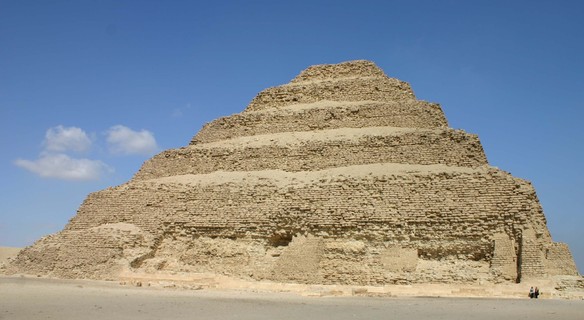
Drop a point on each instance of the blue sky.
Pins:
(91, 89)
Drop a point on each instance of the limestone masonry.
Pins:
(340, 177)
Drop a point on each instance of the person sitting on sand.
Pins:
(531, 293)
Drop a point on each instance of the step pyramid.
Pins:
(339, 177)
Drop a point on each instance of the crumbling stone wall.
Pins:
(559, 260)
(504, 261)
(324, 115)
(99, 252)
(398, 259)
(340, 177)
(300, 262)
(351, 89)
(356, 69)
(318, 151)
(375, 209)
(394, 202)
(531, 256)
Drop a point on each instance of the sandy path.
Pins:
(26, 298)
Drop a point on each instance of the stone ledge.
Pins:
(316, 150)
(324, 115)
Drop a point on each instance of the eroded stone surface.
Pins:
(339, 177)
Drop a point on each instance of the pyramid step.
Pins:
(316, 150)
(345, 89)
(350, 69)
(382, 202)
(324, 115)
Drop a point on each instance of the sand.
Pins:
(8, 252)
(36, 298)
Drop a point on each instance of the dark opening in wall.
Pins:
(280, 239)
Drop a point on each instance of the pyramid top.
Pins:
(349, 69)
(358, 80)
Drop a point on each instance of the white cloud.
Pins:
(60, 139)
(55, 160)
(123, 140)
(61, 166)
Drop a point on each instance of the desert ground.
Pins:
(35, 298)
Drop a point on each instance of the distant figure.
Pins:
(536, 292)
(531, 293)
